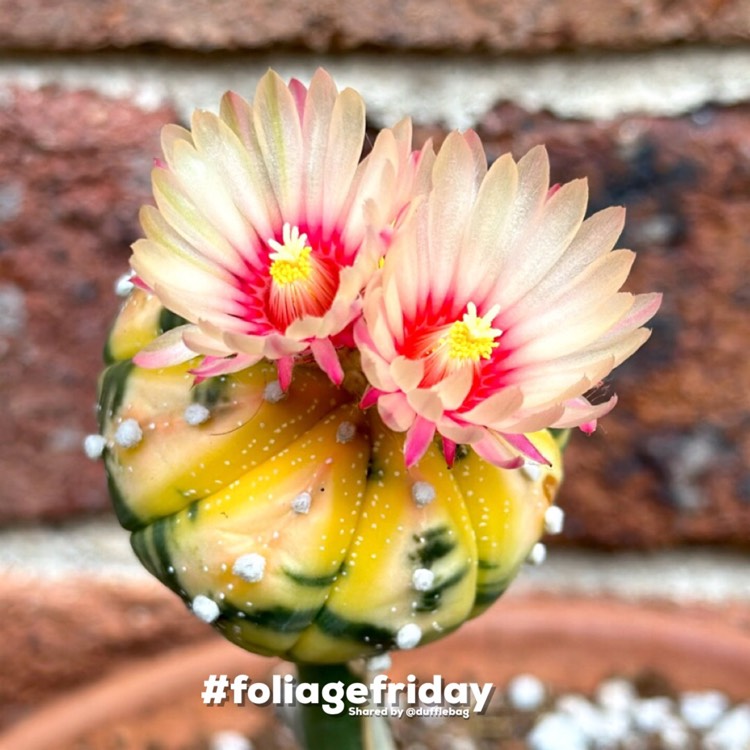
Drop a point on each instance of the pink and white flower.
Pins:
(267, 226)
(497, 308)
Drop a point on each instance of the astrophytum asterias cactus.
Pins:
(324, 416)
(288, 519)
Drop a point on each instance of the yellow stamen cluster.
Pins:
(472, 338)
(290, 260)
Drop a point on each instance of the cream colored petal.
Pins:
(534, 421)
(454, 389)
(407, 373)
(546, 238)
(590, 247)
(303, 328)
(239, 342)
(589, 290)
(644, 308)
(557, 385)
(245, 178)
(342, 154)
(279, 133)
(375, 368)
(166, 350)
(170, 134)
(237, 113)
(158, 266)
(396, 412)
(455, 186)
(407, 263)
(576, 414)
(316, 124)
(193, 305)
(159, 232)
(495, 408)
(458, 433)
(575, 335)
(184, 217)
(370, 200)
(426, 403)
(485, 255)
(202, 183)
(200, 341)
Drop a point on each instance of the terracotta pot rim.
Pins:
(556, 638)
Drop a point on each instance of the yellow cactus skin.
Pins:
(293, 514)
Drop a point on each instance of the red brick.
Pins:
(74, 170)
(57, 635)
(670, 465)
(513, 26)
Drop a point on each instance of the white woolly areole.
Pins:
(409, 636)
(273, 392)
(532, 470)
(128, 434)
(422, 493)
(301, 503)
(554, 519)
(205, 609)
(345, 432)
(124, 285)
(250, 567)
(94, 445)
(537, 555)
(422, 579)
(196, 414)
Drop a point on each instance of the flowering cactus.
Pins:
(324, 416)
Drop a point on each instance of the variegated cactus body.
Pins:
(289, 520)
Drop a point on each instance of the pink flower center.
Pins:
(447, 347)
(303, 278)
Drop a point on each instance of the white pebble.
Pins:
(616, 694)
(94, 445)
(674, 734)
(205, 609)
(701, 710)
(229, 740)
(651, 715)
(526, 692)
(422, 493)
(555, 732)
(731, 732)
(345, 432)
(301, 503)
(586, 715)
(250, 567)
(379, 663)
(537, 555)
(409, 636)
(613, 728)
(422, 579)
(554, 519)
(273, 392)
(532, 470)
(124, 285)
(128, 434)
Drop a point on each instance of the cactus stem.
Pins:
(341, 731)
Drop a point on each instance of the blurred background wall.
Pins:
(649, 99)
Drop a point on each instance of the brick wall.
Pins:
(660, 126)
(650, 100)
